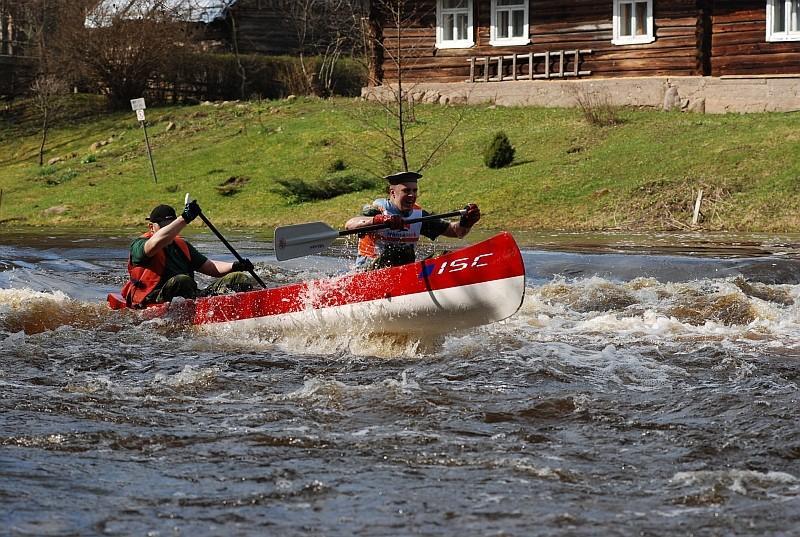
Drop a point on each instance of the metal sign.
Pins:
(140, 115)
(137, 104)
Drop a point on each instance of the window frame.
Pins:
(648, 37)
(455, 43)
(506, 41)
(788, 35)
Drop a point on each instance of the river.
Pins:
(647, 386)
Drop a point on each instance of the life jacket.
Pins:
(145, 279)
(373, 244)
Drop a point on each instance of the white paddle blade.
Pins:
(303, 239)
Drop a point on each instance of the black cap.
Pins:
(403, 177)
(162, 214)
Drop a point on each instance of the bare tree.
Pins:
(47, 91)
(123, 46)
(391, 55)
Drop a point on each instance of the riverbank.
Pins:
(640, 174)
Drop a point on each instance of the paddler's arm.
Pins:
(455, 230)
(167, 234)
(357, 222)
(366, 218)
(464, 225)
(216, 268)
(164, 236)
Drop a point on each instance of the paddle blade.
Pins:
(303, 239)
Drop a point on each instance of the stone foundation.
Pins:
(713, 95)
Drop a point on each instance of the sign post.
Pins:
(138, 106)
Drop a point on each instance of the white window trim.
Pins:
(779, 36)
(524, 40)
(649, 37)
(460, 43)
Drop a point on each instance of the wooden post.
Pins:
(547, 64)
(696, 215)
(530, 66)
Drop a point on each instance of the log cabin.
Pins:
(500, 41)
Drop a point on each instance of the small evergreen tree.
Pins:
(500, 152)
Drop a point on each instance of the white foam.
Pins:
(17, 298)
(188, 376)
(738, 481)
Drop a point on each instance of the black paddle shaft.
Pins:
(229, 247)
(374, 227)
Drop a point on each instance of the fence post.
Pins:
(696, 215)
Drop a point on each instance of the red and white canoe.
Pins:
(476, 285)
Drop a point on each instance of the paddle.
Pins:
(305, 239)
(226, 243)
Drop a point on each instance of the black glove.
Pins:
(245, 265)
(471, 216)
(191, 211)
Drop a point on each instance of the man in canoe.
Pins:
(396, 245)
(162, 264)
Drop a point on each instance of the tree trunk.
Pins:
(44, 136)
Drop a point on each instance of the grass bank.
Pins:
(642, 174)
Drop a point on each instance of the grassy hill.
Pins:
(642, 174)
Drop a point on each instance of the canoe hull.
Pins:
(420, 314)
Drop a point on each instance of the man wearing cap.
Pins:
(162, 264)
(396, 245)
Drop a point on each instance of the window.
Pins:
(783, 20)
(509, 22)
(454, 24)
(633, 22)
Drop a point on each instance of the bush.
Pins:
(337, 166)
(596, 108)
(500, 152)
(300, 191)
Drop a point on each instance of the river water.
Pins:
(647, 386)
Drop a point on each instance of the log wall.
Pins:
(739, 45)
(558, 25)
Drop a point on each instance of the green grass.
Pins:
(642, 174)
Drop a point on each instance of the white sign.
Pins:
(137, 104)
(140, 115)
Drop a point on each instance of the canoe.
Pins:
(472, 286)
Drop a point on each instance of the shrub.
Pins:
(44, 171)
(63, 177)
(500, 152)
(300, 191)
(596, 108)
(88, 159)
(337, 166)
